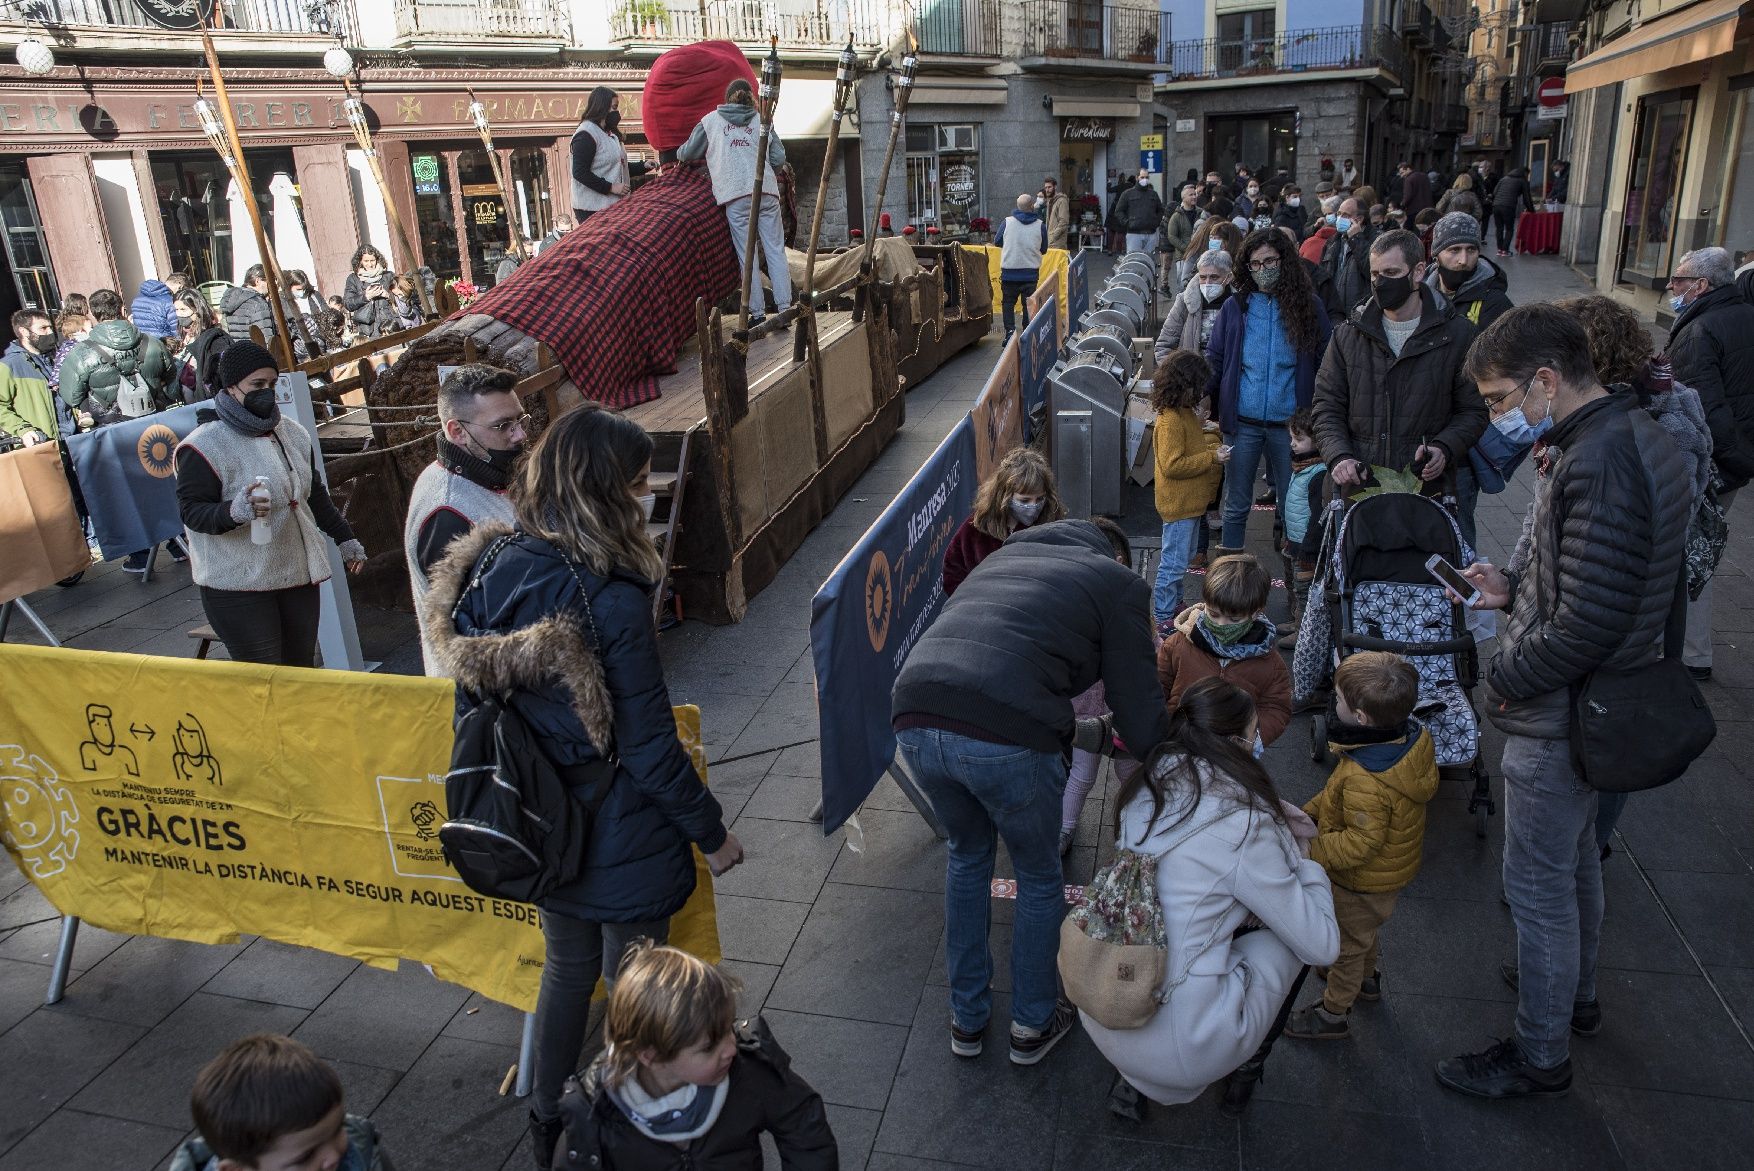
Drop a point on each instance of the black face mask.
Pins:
(503, 461)
(613, 122)
(260, 403)
(1392, 292)
(1452, 278)
(45, 343)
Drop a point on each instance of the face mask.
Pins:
(613, 121)
(1293, 201)
(1330, 217)
(260, 403)
(1025, 514)
(1260, 748)
(1226, 633)
(1514, 426)
(1211, 291)
(1678, 302)
(1253, 192)
(1454, 279)
(1266, 279)
(502, 461)
(646, 503)
(1343, 223)
(1392, 292)
(45, 343)
(1214, 244)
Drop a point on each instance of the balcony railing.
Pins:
(1553, 42)
(1303, 51)
(1091, 31)
(967, 28)
(298, 17)
(798, 23)
(472, 20)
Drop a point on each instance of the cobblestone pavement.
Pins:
(838, 941)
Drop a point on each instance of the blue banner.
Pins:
(1077, 290)
(871, 611)
(127, 472)
(1040, 348)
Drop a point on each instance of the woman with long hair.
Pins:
(1264, 350)
(1021, 492)
(600, 174)
(202, 346)
(1244, 908)
(557, 614)
(367, 295)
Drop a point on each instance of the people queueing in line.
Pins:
(1139, 211)
(1245, 911)
(204, 340)
(1370, 825)
(1264, 350)
(601, 176)
(1022, 238)
(1021, 492)
(368, 293)
(267, 1103)
(1188, 465)
(483, 429)
(982, 710)
(1590, 586)
(247, 467)
(558, 610)
(153, 310)
(728, 139)
(1712, 347)
(1188, 324)
(682, 1083)
(1175, 252)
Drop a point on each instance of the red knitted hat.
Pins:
(685, 85)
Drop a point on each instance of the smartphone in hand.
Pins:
(1451, 578)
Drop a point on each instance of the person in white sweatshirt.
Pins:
(728, 139)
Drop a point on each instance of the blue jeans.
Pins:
(1553, 881)
(1467, 498)
(1248, 445)
(977, 788)
(1172, 565)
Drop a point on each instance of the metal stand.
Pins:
(918, 799)
(23, 607)
(63, 959)
(337, 634)
(526, 1057)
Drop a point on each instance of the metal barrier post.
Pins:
(63, 959)
(526, 1057)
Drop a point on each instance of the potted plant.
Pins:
(1089, 209)
(1146, 49)
(979, 230)
(646, 18)
(465, 291)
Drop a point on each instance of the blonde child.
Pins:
(1189, 465)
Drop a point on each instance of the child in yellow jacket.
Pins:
(1189, 464)
(1370, 824)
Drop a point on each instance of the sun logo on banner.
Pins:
(36, 813)
(158, 449)
(879, 599)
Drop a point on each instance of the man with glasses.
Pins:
(1712, 347)
(483, 432)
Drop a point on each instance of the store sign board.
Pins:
(1184, 125)
(426, 174)
(1151, 142)
(960, 185)
(1087, 130)
(182, 15)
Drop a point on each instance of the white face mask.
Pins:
(1253, 192)
(1211, 290)
(1293, 200)
(1025, 512)
(646, 503)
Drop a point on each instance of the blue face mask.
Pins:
(1678, 302)
(1343, 224)
(1260, 749)
(1214, 244)
(1514, 426)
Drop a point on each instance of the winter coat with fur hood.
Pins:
(581, 667)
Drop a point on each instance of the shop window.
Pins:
(943, 177)
(1245, 39)
(530, 191)
(198, 222)
(1266, 143)
(27, 255)
(486, 224)
(1653, 188)
(434, 213)
(1730, 223)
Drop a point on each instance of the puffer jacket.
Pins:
(1139, 209)
(1224, 352)
(241, 308)
(1712, 347)
(1253, 663)
(27, 402)
(154, 310)
(1373, 406)
(584, 674)
(762, 1095)
(1597, 566)
(1481, 299)
(372, 316)
(363, 1151)
(1045, 617)
(92, 375)
(1370, 817)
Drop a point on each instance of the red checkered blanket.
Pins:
(615, 299)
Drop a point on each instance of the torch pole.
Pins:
(843, 88)
(770, 99)
(355, 108)
(904, 86)
(241, 173)
(478, 112)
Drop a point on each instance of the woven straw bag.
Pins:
(1113, 948)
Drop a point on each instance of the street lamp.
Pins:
(34, 57)
(338, 61)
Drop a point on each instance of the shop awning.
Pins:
(806, 108)
(1094, 108)
(1696, 33)
(964, 91)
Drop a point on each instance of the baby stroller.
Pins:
(1379, 597)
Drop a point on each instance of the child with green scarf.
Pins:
(1228, 635)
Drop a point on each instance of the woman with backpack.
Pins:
(554, 617)
(1245, 911)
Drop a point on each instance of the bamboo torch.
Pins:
(904, 85)
(770, 99)
(221, 129)
(478, 113)
(843, 91)
(354, 108)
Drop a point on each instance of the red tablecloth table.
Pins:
(1537, 232)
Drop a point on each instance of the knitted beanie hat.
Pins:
(242, 358)
(1458, 227)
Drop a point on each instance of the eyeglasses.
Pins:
(504, 426)
(1263, 265)
(1492, 400)
(1681, 280)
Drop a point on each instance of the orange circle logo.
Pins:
(879, 599)
(158, 449)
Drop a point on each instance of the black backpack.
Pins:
(517, 824)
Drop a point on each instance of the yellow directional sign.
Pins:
(1151, 142)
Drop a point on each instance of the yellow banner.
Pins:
(203, 800)
(1051, 276)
